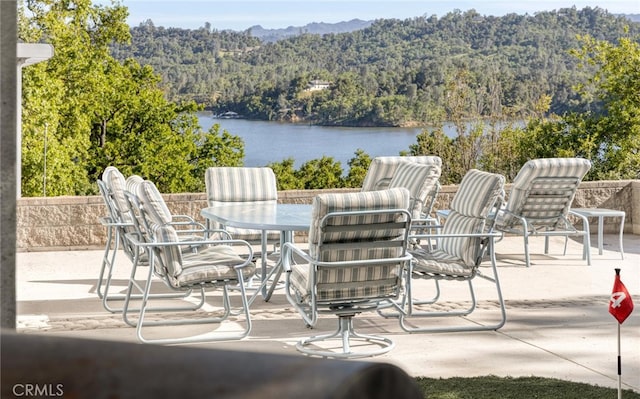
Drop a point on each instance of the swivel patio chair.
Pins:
(215, 264)
(540, 201)
(465, 239)
(356, 262)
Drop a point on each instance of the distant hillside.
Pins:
(391, 73)
(318, 28)
(632, 17)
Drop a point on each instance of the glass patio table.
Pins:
(286, 218)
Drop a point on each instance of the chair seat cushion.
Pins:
(215, 263)
(345, 284)
(439, 263)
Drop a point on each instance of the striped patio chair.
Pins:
(242, 184)
(466, 238)
(356, 262)
(540, 201)
(422, 181)
(216, 264)
(120, 223)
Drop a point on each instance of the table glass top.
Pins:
(261, 216)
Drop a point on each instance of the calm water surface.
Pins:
(267, 142)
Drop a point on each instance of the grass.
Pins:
(492, 387)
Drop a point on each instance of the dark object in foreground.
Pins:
(83, 368)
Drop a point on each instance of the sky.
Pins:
(241, 14)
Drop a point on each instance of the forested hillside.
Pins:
(84, 109)
(396, 72)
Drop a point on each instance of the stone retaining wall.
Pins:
(58, 223)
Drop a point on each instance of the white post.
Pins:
(44, 168)
(619, 366)
(26, 54)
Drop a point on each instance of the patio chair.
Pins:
(215, 264)
(120, 222)
(356, 262)
(243, 184)
(422, 182)
(466, 237)
(540, 201)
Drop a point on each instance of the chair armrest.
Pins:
(436, 235)
(136, 240)
(423, 224)
(185, 220)
(345, 263)
(206, 233)
(288, 249)
(108, 221)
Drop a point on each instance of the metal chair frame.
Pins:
(347, 308)
(146, 239)
(547, 194)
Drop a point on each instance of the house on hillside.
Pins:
(318, 85)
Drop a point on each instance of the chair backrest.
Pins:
(108, 200)
(543, 190)
(419, 174)
(381, 169)
(158, 218)
(477, 196)
(366, 230)
(116, 183)
(422, 182)
(135, 209)
(240, 184)
(113, 187)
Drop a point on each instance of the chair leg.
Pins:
(144, 298)
(108, 260)
(412, 312)
(408, 303)
(346, 335)
(105, 276)
(211, 336)
(527, 256)
(404, 317)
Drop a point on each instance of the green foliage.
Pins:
(286, 175)
(458, 154)
(395, 72)
(321, 173)
(611, 138)
(609, 133)
(358, 167)
(99, 101)
(97, 111)
(492, 387)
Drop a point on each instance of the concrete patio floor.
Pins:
(558, 323)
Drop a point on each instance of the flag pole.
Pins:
(619, 367)
(620, 307)
(619, 355)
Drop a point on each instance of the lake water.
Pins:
(266, 142)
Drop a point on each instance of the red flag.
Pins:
(620, 303)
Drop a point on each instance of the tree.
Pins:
(98, 111)
(608, 133)
(286, 175)
(321, 174)
(611, 137)
(358, 167)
